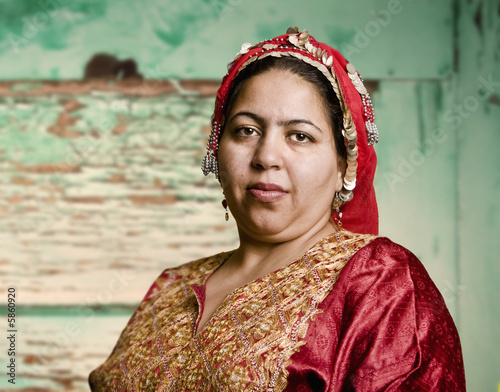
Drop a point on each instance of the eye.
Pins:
(301, 137)
(245, 131)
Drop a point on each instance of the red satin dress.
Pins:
(354, 313)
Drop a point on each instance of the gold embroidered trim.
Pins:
(247, 344)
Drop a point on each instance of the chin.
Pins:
(263, 229)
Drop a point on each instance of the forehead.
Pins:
(280, 93)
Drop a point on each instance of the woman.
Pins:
(303, 304)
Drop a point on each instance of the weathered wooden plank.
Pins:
(130, 88)
(57, 351)
(172, 39)
(88, 204)
(136, 199)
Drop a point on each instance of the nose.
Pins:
(268, 153)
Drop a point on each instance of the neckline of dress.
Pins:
(225, 256)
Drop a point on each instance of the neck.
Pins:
(259, 257)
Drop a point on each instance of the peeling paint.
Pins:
(101, 177)
(179, 39)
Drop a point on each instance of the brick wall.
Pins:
(101, 190)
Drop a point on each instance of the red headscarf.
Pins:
(360, 214)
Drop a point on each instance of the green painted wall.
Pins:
(195, 38)
(476, 116)
(101, 188)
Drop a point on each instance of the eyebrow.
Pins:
(284, 123)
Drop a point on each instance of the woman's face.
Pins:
(277, 160)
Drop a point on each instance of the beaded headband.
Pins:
(304, 47)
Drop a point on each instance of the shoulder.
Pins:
(398, 321)
(384, 260)
(380, 273)
(387, 273)
(188, 273)
(384, 252)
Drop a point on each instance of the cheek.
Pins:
(223, 163)
(230, 165)
(318, 171)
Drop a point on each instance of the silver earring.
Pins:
(337, 216)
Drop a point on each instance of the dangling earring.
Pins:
(337, 216)
(224, 204)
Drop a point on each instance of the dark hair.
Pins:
(306, 72)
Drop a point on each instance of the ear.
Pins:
(341, 168)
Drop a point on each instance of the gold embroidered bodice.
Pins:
(248, 342)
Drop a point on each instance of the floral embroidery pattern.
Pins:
(247, 344)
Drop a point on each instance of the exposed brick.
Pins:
(206, 88)
(84, 199)
(60, 129)
(46, 168)
(120, 129)
(94, 133)
(71, 105)
(22, 181)
(49, 271)
(117, 178)
(123, 122)
(119, 265)
(165, 199)
(16, 199)
(31, 359)
(158, 183)
(80, 87)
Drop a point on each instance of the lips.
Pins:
(266, 192)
